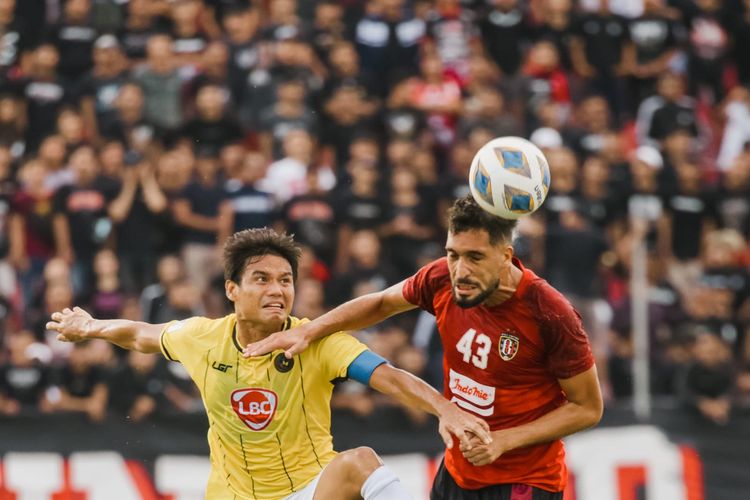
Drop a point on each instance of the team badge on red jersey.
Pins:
(255, 407)
(508, 346)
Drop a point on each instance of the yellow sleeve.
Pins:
(179, 340)
(336, 352)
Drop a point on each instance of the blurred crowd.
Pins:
(135, 135)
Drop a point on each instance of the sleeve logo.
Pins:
(255, 407)
(508, 346)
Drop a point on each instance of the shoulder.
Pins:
(197, 327)
(437, 271)
(432, 276)
(546, 300)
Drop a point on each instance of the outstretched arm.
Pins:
(353, 315)
(413, 392)
(76, 325)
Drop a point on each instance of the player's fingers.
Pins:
(260, 348)
(464, 438)
(57, 316)
(53, 325)
(67, 310)
(481, 431)
(447, 438)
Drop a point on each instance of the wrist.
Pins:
(443, 407)
(92, 328)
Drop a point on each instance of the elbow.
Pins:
(594, 413)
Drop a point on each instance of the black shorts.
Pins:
(445, 488)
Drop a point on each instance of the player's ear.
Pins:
(230, 289)
(507, 254)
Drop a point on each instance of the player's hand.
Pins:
(464, 426)
(72, 325)
(292, 341)
(483, 454)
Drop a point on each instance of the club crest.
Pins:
(508, 346)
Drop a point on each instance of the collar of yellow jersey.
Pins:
(287, 326)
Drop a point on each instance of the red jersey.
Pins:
(502, 363)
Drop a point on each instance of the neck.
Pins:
(249, 331)
(509, 281)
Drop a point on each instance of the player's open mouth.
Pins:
(465, 289)
(274, 305)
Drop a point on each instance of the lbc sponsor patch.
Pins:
(471, 395)
(255, 407)
(508, 346)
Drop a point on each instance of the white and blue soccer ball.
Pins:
(509, 177)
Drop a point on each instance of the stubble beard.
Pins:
(466, 303)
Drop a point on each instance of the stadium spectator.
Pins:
(387, 38)
(24, 377)
(599, 50)
(82, 213)
(44, 92)
(708, 46)
(74, 37)
(505, 29)
(202, 211)
(675, 112)
(139, 386)
(79, 386)
(98, 90)
(129, 124)
(311, 217)
(251, 207)
(288, 114)
(161, 84)
(655, 39)
(134, 212)
(212, 128)
(708, 380)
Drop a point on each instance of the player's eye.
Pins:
(261, 279)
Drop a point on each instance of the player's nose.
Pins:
(462, 270)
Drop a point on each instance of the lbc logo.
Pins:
(255, 407)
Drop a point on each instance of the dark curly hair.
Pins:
(466, 214)
(245, 245)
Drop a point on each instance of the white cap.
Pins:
(546, 137)
(650, 156)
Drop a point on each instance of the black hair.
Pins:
(245, 245)
(466, 214)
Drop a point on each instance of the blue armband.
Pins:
(363, 365)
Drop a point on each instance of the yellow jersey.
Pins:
(269, 418)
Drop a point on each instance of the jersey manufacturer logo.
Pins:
(282, 363)
(471, 395)
(508, 346)
(255, 407)
(220, 366)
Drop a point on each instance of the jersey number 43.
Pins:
(466, 346)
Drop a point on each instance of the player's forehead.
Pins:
(468, 240)
(269, 265)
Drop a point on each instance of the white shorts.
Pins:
(308, 492)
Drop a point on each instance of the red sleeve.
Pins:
(420, 289)
(566, 343)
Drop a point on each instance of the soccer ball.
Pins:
(509, 177)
